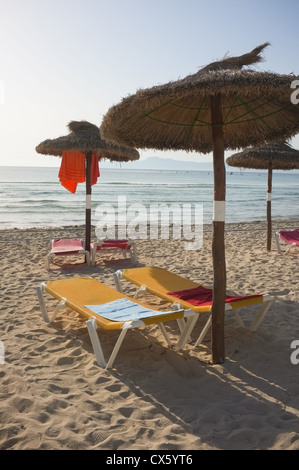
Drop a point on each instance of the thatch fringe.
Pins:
(238, 62)
(82, 126)
(256, 109)
(86, 137)
(280, 155)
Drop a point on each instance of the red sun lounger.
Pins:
(289, 236)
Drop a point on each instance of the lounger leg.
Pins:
(186, 332)
(40, 291)
(163, 329)
(293, 244)
(180, 321)
(140, 289)
(133, 255)
(238, 318)
(116, 277)
(118, 344)
(277, 242)
(261, 314)
(40, 295)
(95, 341)
(96, 344)
(203, 332)
(61, 304)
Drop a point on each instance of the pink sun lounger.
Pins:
(289, 236)
(114, 246)
(67, 247)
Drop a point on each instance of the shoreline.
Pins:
(230, 226)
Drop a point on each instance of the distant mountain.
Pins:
(157, 163)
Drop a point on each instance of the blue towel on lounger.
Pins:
(123, 310)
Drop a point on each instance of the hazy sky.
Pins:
(63, 60)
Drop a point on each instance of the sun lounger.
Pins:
(103, 307)
(189, 295)
(112, 246)
(66, 247)
(289, 236)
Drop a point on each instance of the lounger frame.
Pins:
(114, 246)
(186, 329)
(93, 327)
(52, 254)
(277, 241)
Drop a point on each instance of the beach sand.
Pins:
(55, 396)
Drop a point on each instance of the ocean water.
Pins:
(33, 196)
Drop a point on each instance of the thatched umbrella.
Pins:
(273, 156)
(221, 106)
(86, 138)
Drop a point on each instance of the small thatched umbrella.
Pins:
(274, 156)
(221, 106)
(86, 138)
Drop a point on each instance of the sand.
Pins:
(54, 396)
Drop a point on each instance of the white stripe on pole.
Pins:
(219, 211)
(88, 201)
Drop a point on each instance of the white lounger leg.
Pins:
(118, 344)
(95, 341)
(164, 332)
(268, 300)
(184, 338)
(40, 290)
(133, 254)
(96, 344)
(117, 276)
(277, 242)
(204, 331)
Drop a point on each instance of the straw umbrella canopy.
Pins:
(223, 105)
(86, 138)
(273, 156)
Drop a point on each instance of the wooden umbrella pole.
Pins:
(269, 195)
(88, 202)
(218, 245)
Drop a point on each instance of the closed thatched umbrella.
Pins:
(221, 106)
(274, 156)
(86, 138)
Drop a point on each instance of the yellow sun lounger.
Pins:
(189, 295)
(103, 307)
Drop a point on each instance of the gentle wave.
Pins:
(35, 198)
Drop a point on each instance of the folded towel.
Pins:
(203, 296)
(123, 310)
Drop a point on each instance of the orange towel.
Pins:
(95, 171)
(72, 169)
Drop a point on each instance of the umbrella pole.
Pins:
(218, 246)
(269, 194)
(88, 202)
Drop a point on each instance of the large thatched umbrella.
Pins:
(221, 106)
(273, 156)
(86, 138)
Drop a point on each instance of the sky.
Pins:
(64, 60)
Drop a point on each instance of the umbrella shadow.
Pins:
(245, 404)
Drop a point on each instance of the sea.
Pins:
(33, 196)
